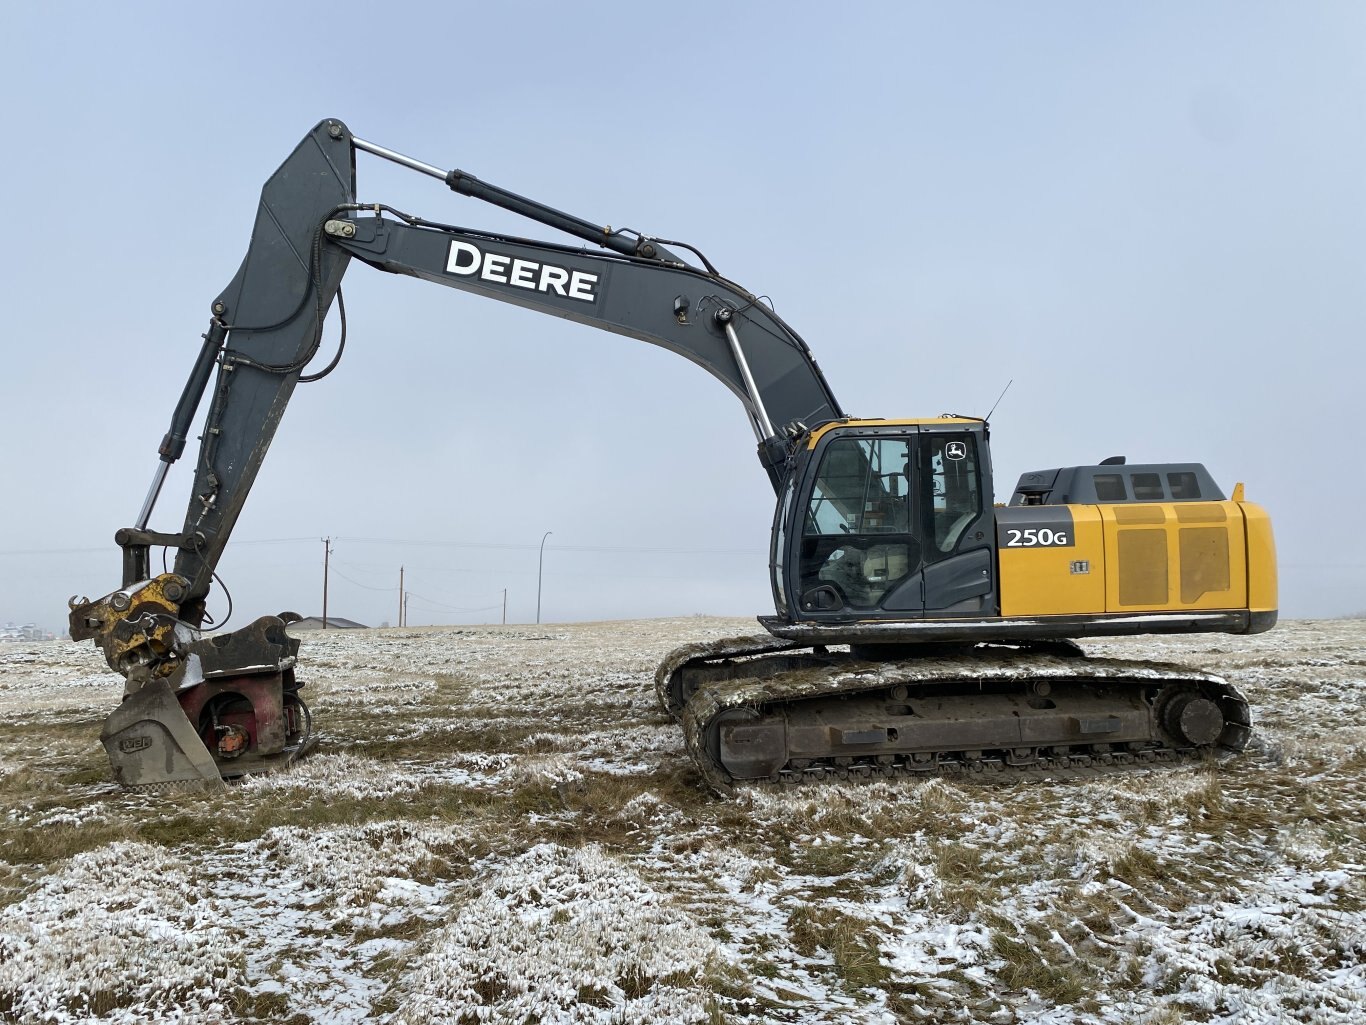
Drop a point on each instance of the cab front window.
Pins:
(856, 541)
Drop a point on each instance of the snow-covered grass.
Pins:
(500, 826)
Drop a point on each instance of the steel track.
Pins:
(770, 679)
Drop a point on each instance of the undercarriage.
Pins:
(761, 710)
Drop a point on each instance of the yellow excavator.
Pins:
(919, 627)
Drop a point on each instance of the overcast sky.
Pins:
(1149, 216)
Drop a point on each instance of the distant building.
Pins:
(333, 623)
(27, 632)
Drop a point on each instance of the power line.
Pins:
(105, 548)
(387, 587)
(628, 549)
(553, 548)
(413, 542)
(450, 608)
(338, 573)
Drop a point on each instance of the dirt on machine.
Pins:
(754, 715)
(919, 627)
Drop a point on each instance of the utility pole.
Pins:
(505, 606)
(400, 597)
(405, 608)
(327, 555)
(539, 565)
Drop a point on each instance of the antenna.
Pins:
(998, 399)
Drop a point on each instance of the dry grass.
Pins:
(924, 900)
(1030, 965)
(849, 942)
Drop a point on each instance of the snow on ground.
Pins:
(579, 936)
(121, 931)
(499, 826)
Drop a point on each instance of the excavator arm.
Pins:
(266, 330)
(266, 325)
(695, 313)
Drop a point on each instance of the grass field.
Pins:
(500, 826)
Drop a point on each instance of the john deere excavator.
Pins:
(918, 627)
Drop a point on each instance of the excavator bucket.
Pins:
(149, 741)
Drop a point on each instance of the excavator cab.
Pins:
(882, 520)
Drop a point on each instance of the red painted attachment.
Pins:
(255, 704)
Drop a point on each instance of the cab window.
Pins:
(856, 536)
(862, 488)
(957, 498)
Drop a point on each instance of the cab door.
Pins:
(895, 525)
(959, 557)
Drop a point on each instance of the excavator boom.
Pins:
(266, 325)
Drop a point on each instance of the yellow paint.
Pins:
(824, 429)
(1147, 557)
(1137, 557)
(1174, 556)
(1041, 581)
(1261, 558)
(150, 607)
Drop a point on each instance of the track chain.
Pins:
(852, 677)
(1070, 766)
(667, 691)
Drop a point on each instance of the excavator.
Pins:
(919, 626)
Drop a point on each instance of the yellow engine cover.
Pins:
(1136, 557)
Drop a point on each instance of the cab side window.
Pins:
(957, 500)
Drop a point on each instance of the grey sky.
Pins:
(1149, 216)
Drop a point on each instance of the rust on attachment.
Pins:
(196, 708)
(138, 628)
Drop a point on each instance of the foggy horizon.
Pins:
(1149, 220)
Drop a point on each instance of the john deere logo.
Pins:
(130, 744)
(466, 260)
(955, 450)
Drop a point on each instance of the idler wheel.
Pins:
(1193, 718)
(747, 746)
